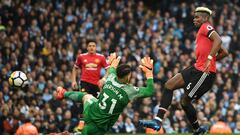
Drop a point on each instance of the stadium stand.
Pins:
(43, 38)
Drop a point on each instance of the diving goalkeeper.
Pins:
(101, 114)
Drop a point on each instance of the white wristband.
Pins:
(209, 57)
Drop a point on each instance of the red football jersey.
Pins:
(203, 47)
(91, 65)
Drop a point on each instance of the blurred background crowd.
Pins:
(43, 39)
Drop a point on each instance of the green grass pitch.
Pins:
(169, 134)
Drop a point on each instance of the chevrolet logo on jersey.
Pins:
(91, 65)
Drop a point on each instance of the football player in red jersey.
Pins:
(197, 79)
(90, 64)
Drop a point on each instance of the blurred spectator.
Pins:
(129, 126)
(27, 127)
(220, 128)
(183, 127)
(119, 126)
(237, 129)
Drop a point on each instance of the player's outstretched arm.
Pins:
(222, 53)
(147, 68)
(61, 93)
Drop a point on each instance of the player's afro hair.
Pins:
(204, 9)
(123, 70)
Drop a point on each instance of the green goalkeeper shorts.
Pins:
(90, 127)
(87, 104)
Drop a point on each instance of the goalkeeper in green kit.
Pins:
(101, 114)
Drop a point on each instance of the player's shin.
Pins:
(165, 102)
(191, 113)
(74, 95)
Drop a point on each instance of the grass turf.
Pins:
(169, 134)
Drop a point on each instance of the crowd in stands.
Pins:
(43, 38)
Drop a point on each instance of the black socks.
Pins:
(190, 112)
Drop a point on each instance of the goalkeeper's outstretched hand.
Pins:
(147, 66)
(114, 60)
(112, 57)
(60, 93)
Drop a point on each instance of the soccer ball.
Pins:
(18, 79)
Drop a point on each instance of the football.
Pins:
(18, 79)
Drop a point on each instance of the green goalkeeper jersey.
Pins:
(114, 98)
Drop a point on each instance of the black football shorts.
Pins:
(197, 83)
(89, 88)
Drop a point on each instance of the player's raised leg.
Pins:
(87, 100)
(174, 83)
